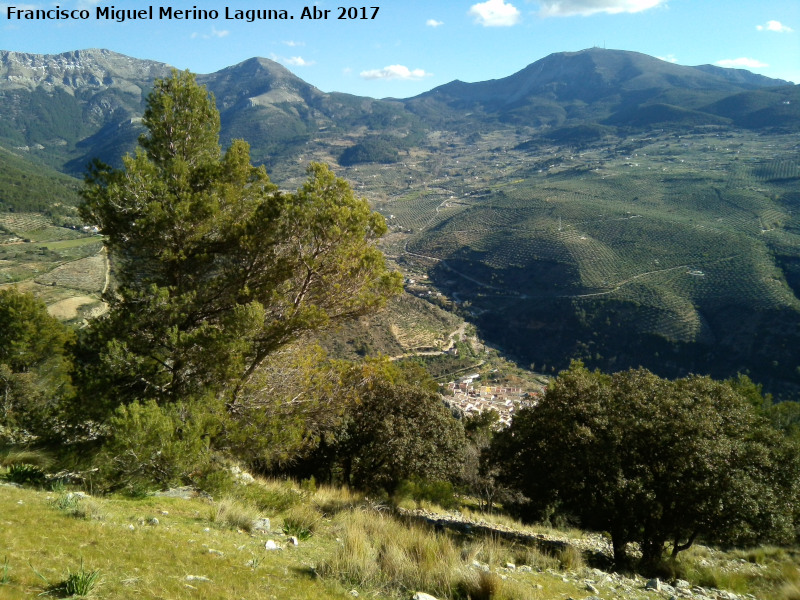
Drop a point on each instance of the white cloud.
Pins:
(433, 23)
(293, 44)
(569, 8)
(495, 13)
(215, 33)
(394, 72)
(670, 58)
(775, 26)
(294, 61)
(741, 63)
(298, 61)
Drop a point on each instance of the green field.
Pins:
(65, 267)
(685, 244)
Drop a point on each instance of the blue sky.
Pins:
(412, 46)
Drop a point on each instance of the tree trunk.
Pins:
(621, 559)
(652, 554)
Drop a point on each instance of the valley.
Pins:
(600, 205)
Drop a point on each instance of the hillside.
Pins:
(181, 545)
(599, 204)
(594, 85)
(675, 251)
(69, 108)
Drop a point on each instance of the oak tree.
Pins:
(652, 461)
(34, 365)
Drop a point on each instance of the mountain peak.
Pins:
(92, 68)
(258, 81)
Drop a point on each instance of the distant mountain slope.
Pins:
(590, 85)
(72, 107)
(599, 204)
(27, 187)
(69, 108)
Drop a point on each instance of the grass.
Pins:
(79, 506)
(200, 548)
(231, 513)
(28, 457)
(80, 582)
(766, 571)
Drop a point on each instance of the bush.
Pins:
(301, 521)
(153, 446)
(25, 474)
(440, 493)
(79, 506)
(652, 461)
(37, 458)
(81, 582)
(399, 431)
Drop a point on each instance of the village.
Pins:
(468, 398)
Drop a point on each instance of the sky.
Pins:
(411, 46)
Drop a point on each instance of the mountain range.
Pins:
(600, 204)
(69, 108)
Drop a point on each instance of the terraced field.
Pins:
(687, 244)
(64, 267)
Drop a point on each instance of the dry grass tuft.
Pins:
(232, 513)
(37, 458)
(380, 552)
(571, 558)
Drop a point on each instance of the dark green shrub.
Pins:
(154, 446)
(436, 492)
(25, 474)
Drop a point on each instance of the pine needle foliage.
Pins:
(215, 268)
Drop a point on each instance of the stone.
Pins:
(271, 545)
(294, 541)
(354, 593)
(263, 525)
(511, 566)
(479, 565)
(185, 493)
(422, 596)
(197, 578)
(242, 477)
(152, 521)
(590, 588)
(666, 588)
(653, 584)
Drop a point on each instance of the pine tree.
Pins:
(215, 267)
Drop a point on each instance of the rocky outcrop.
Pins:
(79, 70)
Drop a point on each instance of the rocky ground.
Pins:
(599, 584)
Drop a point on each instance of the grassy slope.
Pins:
(352, 547)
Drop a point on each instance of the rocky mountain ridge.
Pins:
(79, 105)
(78, 71)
